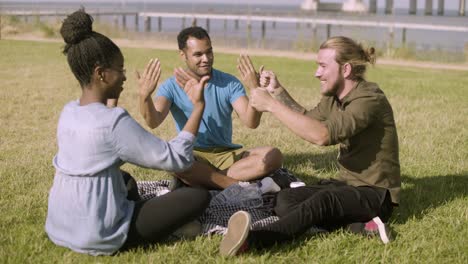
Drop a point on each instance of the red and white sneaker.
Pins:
(235, 240)
(372, 228)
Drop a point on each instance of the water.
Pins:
(283, 35)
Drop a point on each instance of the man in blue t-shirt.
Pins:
(219, 162)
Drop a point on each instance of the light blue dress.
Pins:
(220, 93)
(88, 211)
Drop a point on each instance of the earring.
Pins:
(100, 78)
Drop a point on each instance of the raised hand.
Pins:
(269, 81)
(148, 81)
(182, 79)
(247, 72)
(261, 99)
(192, 87)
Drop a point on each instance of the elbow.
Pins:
(322, 139)
(253, 125)
(185, 165)
(148, 121)
(152, 124)
(322, 142)
(181, 165)
(185, 161)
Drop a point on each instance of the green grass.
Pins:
(431, 113)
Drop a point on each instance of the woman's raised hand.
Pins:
(193, 88)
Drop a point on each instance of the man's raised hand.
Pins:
(247, 72)
(148, 80)
(269, 81)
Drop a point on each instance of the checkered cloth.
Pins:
(215, 218)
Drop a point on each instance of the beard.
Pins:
(334, 88)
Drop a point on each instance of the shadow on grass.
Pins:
(421, 194)
(417, 197)
(418, 194)
(148, 248)
(320, 162)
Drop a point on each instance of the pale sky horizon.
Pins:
(453, 4)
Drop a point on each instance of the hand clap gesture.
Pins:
(148, 81)
(269, 81)
(193, 88)
(261, 100)
(247, 72)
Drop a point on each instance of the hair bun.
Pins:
(76, 27)
(371, 56)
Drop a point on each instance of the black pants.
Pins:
(328, 206)
(153, 220)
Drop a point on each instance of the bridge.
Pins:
(359, 6)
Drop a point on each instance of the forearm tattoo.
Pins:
(286, 99)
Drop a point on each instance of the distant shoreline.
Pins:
(284, 35)
(308, 56)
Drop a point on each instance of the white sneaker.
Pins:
(267, 185)
(237, 233)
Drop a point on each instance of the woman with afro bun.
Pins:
(94, 207)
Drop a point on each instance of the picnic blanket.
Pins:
(216, 216)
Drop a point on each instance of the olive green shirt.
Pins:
(363, 124)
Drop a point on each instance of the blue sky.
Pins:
(449, 4)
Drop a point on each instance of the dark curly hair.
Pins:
(196, 32)
(85, 49)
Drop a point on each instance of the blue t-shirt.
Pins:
(216, 126)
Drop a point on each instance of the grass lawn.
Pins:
(431, 224)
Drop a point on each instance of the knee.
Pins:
(272, 160)
(281, 209)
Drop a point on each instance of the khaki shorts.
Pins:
(220, 158)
